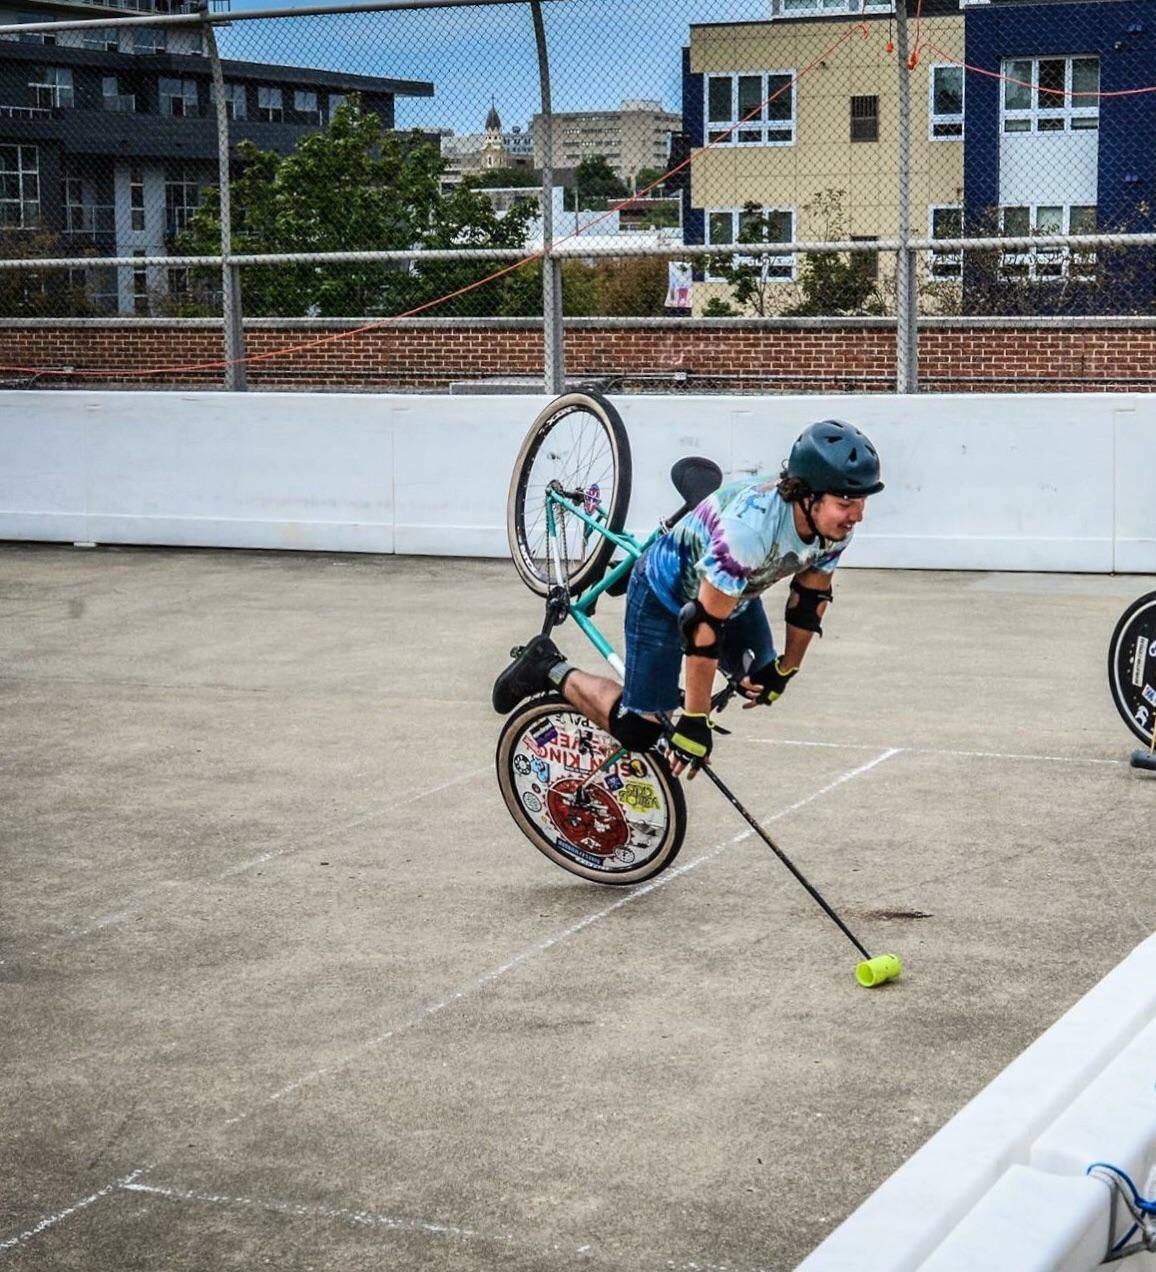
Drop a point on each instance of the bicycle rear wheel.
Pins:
(580, 443)
(1132, 666)
(625, 826)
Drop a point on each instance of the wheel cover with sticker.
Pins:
(1132, 668)
(622, 817)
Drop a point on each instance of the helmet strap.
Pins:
(807, 503)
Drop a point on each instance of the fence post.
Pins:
(906, 284)
(553, 331)
(231, 311)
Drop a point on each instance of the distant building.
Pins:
(493, 148)
(634, 137)
(108, 136)
(596, 228)
(821, 154)
(1056, 144)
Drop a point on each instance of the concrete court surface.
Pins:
(284, 987)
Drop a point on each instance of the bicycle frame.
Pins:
(581, 607)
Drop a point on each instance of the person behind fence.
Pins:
(694, 599)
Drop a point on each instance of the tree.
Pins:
(597, 185)
(356, 186)
(644, 178)
(836, 284)
(30, 293)
(503, 178)
(751, 275)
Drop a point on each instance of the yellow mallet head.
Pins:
(878, 970)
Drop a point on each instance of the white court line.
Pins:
(370, 1219)
(50, 1221)
(936, 750)
(548, 943)
(118, 916)
(487, 978)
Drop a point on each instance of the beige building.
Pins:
(485, 151)
(635, 136)
(810, 133)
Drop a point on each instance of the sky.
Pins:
(601, 51)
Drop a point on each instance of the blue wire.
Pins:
(1141, 1202)
(1124, 1239)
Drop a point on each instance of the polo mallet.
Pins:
(871, 971)
(1142, 759)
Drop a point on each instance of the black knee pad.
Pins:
(635, 732)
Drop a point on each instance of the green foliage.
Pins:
(356, 186)
(752, 275)
(718, 308)
(597, 184)
(503, 178)
(31, 294)
(644, 178)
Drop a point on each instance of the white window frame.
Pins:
(26, 173)
(334, 102)
(298, 109)
(149, 40)
(52, 90)
(934, 119)
(180, 208)
(819, 9)
(234, 94)
(262, 107)
(1047, 264)
(103, 39)
(1033, 115)
(732, 128)
(945, 264)
(780, 260)
(187, 97)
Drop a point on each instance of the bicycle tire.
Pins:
(586, 464)
(1132, 666)
(635, 821)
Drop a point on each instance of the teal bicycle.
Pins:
(595, 809)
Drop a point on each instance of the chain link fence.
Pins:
(780, 160)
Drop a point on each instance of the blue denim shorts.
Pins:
(654, 646)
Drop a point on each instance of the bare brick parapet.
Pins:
(661, 355)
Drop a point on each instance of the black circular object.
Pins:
(1132, 667)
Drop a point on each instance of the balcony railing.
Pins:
(24, 112)
(122, 103)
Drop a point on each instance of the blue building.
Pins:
(1050, 148)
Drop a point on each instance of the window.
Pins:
(149, 39)
(136, 198)
(866, 263)
(336, 101)
(799, 8)
(947, 223)
(864, 118)
(179, 286)
(178, 96)
(946, 103)
(728, 226)
(35, 37)
(305, 106)
(1051, 94)
(182, 195)
(19, 187)
(52, 86)
(105, 39)
(235, 102)
(140, 286)
(269, 105)
(1048, 263)
(113, 98)
(751, 110)
(78, 210)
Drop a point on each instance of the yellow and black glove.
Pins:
(692, 738)
(773, 679)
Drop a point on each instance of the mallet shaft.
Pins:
(782, 856)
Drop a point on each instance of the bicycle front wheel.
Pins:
(1132, 666)
(577, 446)
(620, 826)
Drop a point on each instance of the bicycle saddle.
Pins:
(694, 478)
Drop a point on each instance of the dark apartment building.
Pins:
(108, 136)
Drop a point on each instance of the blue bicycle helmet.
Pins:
(834, 458)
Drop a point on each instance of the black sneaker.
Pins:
(527, 674)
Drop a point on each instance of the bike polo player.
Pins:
(694, 596)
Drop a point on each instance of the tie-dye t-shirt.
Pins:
(741, 539)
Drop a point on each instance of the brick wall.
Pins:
(667, 355)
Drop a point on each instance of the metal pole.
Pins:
(236, 379)
(553, 315)
(906, 300)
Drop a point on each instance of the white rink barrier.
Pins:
(985, 482)
(1004, 1185)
